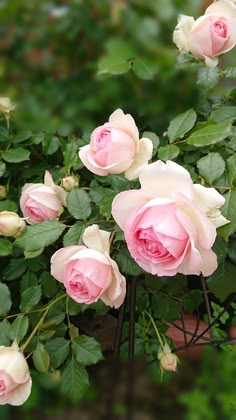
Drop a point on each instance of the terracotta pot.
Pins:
(190, 323)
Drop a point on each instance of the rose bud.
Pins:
(69, 182)
(11, 224)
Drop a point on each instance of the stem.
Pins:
(156, 330)
(23, 347)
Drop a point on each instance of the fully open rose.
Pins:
(90, 274)
(170, 223)
(210, 35)
(115, 147)
(15, 380)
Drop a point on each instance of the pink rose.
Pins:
(89, 274)
(115, 147)
(40, 202)
(170, 223)
(210, 35)
(15, 381)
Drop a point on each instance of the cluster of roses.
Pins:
(169, 226)
(210, 35)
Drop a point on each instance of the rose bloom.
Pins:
(40, 202)
(210, 35)
(115, 147)
(170, 223)
(15, 381)
(11, 224)
(89, 274)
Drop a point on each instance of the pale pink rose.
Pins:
(212, 35)
(40, 202)
(90, 274)
(115, 147)
(15, 381)
(170, 223)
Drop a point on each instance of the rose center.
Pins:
(220, 29)
(2, 385)
(103, 139)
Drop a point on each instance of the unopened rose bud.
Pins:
(6, 105)
(11, 224)
(169, 361)
(69, 182)
(3, 192)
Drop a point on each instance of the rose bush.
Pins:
(115, 148)
(210, 35)
(108, 217)
(166, 222)
(15, 380)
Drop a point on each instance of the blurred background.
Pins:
(68, 65)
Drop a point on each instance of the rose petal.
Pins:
(163, 179)
(97, 239)
(21, 394)
(141, 158)
(125, 202)
(60, 258)
(126, 122)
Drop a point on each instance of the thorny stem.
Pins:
(37, 326)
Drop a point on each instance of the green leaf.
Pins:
(79, 204)
(144, 68)
(19, 154)
(5, 299)
(2, 168)
(28, 279)
(181, 124)
(87, 350)
(153, 137)
(14, 269)
(190, 301)
(74, 235)
(74, 381)
(70, 155)
(50, 144)
(222, 282)
(109, 65)
(211, 167)
(165, 308)
(41, 358)
(229, 211)
(208, 78)
(49, 284)
(126, 263)
(19, 328)
(210, 134)
(5, 247)
(8, 205)
(22, 136)
(4, 333)
(224, 113)
(40, 235)
(231, 165)
(30, 297)
(168, 152)
(230, 72)
(58, 350)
